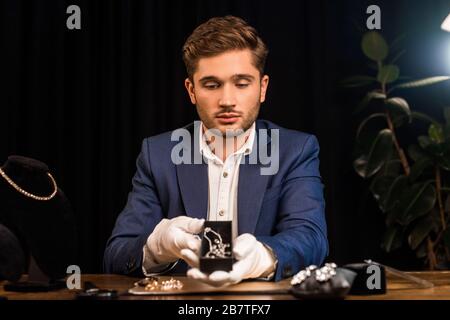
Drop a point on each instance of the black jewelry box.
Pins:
(370, 279)
(216, 247)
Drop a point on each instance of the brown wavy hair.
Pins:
(221, 34)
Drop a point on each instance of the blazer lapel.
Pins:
(193, 180)
(251, 189)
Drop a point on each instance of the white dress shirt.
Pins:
(223, 177)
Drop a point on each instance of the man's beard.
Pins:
(247, 122)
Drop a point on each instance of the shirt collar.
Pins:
(245, 149)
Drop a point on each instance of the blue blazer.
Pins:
(286, 211)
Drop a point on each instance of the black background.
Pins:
(83, 100)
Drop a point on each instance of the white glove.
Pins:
(171, 236)
(254, 260)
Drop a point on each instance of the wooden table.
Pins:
(398, 289)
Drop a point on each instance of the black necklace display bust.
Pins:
(37, 226)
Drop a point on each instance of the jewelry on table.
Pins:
(144, 282)
(165, 285)
(321, 274)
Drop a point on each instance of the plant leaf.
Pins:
(380, 151)
(416, 201)
(444, 161)
(424, 141)
(394, 192)
(379, 188)
(416, 153)
(435, 219)
(421, 83)
(393, 215)
(421, 251)
(388, 74)
(357, 81)
(401, 105)
(394, 44)
(392, 238)
(397, 56)
(368, 98)
(436, 133)
(392, 168)
(418, 167)
(374, 46)
(366, 120)
(420, 232)
(423, 117)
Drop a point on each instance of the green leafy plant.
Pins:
(411, 188)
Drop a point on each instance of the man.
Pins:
(277, 217)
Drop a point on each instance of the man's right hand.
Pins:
(172, 236)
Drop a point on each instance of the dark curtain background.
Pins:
(83, 100)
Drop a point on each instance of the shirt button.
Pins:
(225, 174)
(221, 213)
(247, 150)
